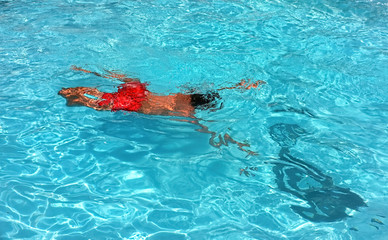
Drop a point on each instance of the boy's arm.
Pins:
(245, 84)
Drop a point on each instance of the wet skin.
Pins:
(170, 105)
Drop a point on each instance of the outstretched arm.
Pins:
(121, 77)
(222, 140)
(245, 84)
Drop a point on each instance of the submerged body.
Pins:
(132, 95)
(146, 102)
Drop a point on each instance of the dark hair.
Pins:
(204, 101)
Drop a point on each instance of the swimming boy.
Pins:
(133, 96)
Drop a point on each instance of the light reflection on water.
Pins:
(318, 124)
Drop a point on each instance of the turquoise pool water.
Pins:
(319, 125)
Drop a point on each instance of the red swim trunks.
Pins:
(128, 97)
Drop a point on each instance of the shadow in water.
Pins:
(326, 201)
(303, 111)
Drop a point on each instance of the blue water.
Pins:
(319, 125)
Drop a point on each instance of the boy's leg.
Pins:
(76, 97)
(121, 77)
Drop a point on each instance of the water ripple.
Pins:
(318, 125)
